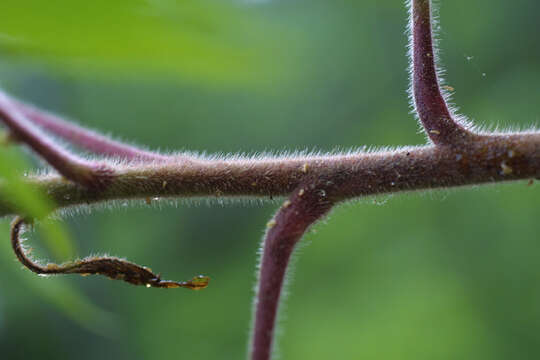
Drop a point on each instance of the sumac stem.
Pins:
(313, 184)
(306, 205)
(84, 138)
(431, 107)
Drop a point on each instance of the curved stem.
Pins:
(306, 205)
(430, 104)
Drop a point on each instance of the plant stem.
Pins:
(90, 174)
(84, 138)
(430, 104)
(489, 159)
(305, 206)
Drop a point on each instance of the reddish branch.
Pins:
(87, 173)
(308, 203)
(429, 101)
(84, 138)
(313, 184)
(486, 160)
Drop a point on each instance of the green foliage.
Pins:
(59, 293)
(30, 202)
(202, 40)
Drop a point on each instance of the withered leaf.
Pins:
(111, 267)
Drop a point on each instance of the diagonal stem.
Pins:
(306, 205)
(431, 107)
(87, 173)
(85, 138)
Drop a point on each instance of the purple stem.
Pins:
(305, 206)
(84, 138)
(90, 174)
(430, 105)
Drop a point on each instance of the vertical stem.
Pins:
(429, 102)
(305, 206)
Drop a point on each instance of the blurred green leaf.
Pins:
(29, 201)
(216, 41)
(59, 293)
(75, 305)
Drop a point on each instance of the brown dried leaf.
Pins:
(111, 267)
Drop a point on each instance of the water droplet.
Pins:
(198, 282)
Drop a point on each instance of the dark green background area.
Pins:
(449, 274)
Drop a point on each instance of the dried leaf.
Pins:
(111, 267)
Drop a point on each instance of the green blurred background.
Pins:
(447, 274)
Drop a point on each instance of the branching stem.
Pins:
(313, 184)
(90, 174)
(490, 159)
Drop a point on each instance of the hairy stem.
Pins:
(306, 205)
(489, 159)
(87, 173)
(314, 184)
(430, 104)
(84, 138)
